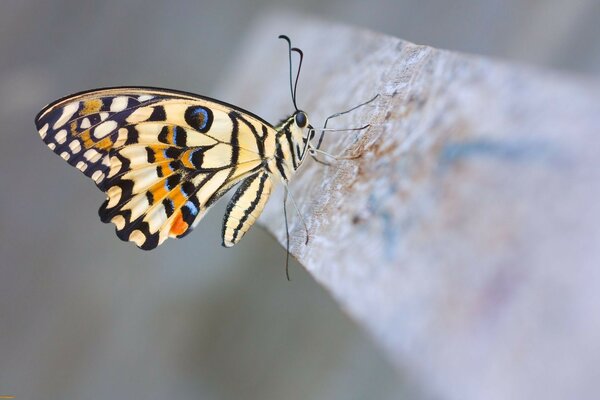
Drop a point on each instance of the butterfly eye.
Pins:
(301, 119)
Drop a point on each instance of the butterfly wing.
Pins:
(245, 207)
(163, 157)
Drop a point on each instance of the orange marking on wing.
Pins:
(104, 144)
(184, 158)
(165, 169)
(158, 191)
(179, 225)
(178, 197)
(159, 154)
(91, 106)
(88, 143)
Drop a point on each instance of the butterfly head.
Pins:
(300, 119)
(298, 125)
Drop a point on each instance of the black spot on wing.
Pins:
(132, 135)
(179, 136)
(158, 114)
(150, 153)
(172, 152)
(197, 158)
(187, 188)
(169, 207)
(172, 181)
(163, 136)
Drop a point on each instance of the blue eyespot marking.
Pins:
(203, 119)
(192, 207)
(199, 118)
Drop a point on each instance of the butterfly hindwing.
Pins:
(162, 157)
(245, 207)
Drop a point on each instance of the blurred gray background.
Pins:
(86, 316)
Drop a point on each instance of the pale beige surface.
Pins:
(465, 237)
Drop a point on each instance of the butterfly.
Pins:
(164, 157)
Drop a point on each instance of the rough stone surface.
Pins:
(465, 237)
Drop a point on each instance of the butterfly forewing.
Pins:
(162, 157)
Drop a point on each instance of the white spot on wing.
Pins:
(118, 104)
(115, 166)
(85, 123)
(104, 129)
(97, 176)
(52, 146)
(65, 155)
(67, 113)
(121, 138)
(61, 136)
(43, 131)
(75, 146)
(145, 97)
(103, 115)
(91, 155)
(82, 166)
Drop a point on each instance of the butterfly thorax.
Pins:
(290, 146)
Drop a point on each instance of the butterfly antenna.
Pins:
(293, 84)
(297, 50)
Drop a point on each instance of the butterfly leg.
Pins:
(313, 155)
(287, 231)
(287, 236)
(340, 114)
(336, 158)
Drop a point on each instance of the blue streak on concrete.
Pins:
(391, 235)
(390, 232)
(511, 151)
